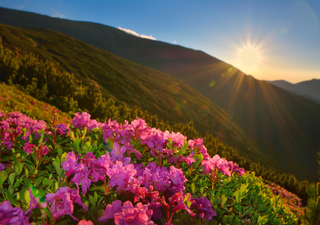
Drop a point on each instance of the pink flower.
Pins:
(82, 177)
(12, 216)
(62, 202)
(62, 129)
(100, 167)
(111, 210)
(70, 163)
(28, 147)
(177, 178)
(178, 198)
(138, 215)
(88, 159)
(204, 208)
(85, 222)
(44, 149)
(117, 154)
(2, 167)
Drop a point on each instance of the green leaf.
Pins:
(60, 151)
(18, 167)
(47, 182)
(56, 165)
(197, 163)
(64, 222)
(262, 219)
(27, 181)
(11, 178)
(11, 189)
(224, 220)
(3, 177)
(223, 200)
(76, 145)
(92, 201)
(64, 157)
(236, 221)
(169, 145)
(27, 197)
(95, 195)
(11, 198)
(238, 207)
(18, 182)
(193, 187)
(63, 141)
(38, 181)
(214, 201)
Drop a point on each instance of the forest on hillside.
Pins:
(44, 81)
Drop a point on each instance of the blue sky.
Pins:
(268, 39)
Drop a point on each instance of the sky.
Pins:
(268, 39)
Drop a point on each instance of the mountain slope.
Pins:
(132, 84)
(286, 126)
(155, 54)
(309, 89)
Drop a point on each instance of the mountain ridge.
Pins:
(309, 88)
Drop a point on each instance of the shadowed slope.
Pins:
(132, 84)
(155, 54)
(286, 125)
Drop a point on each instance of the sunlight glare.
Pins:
(248, 58)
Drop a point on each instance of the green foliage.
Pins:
(312, 211)
(12, 99)
(237, 200)
(46, 82)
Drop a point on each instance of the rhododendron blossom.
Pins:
(128, 161)
(12, 216)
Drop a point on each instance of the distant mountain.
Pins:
(309, 89)
(285, 126)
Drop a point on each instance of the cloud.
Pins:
(23, 5)
(136, 34)
(175, 42)
(58, 15)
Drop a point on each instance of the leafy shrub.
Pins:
(126, 173)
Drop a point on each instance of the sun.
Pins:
(248, 58)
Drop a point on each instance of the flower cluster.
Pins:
(143, 164)
(14, 123)
(292, 201)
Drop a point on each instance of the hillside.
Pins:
(286, 126)
(11, 99)
(132, 84)
(155, 54)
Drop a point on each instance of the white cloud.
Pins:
(58, 15)
(136, 34)
(175, 42)
(23, 5)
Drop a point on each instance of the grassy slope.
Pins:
(278, 121)
(131, 83)
(12, 99)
